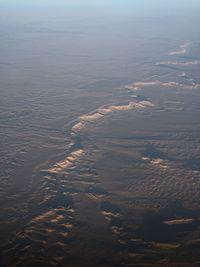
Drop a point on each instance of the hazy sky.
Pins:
(113, 3)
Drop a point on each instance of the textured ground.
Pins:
(100, 164)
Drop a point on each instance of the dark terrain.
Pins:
(100, 136)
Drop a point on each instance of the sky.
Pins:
(113, 3)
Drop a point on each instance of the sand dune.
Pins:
(157, 83)
(179, 63)
(100, 113)
(183, 48)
